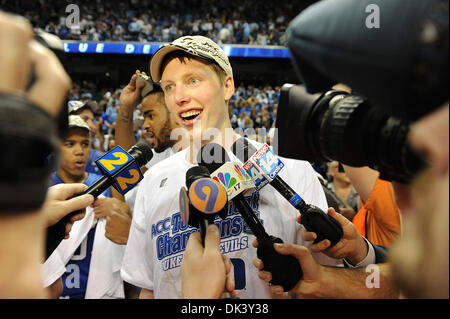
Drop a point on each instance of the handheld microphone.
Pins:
(285, 269)
(256, 164)
(202, 200)
(120, 169)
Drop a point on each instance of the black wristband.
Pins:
(27, 138)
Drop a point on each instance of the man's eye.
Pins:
(169, 87)
(194, 81)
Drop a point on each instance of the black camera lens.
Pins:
(336, 125)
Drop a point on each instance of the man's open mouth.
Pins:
(79, 164)
(189, 116)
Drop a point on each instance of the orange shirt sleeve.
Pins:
(383, 216)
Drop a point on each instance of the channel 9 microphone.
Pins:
(263, 166)
(285, 269)
(120, 169)
(202, 199)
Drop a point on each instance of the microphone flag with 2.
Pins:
(120, 169)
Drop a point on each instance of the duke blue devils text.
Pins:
(172, 235)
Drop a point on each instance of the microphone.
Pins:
(202, 199)
(285, 269)
(264, 166)
(120, 169)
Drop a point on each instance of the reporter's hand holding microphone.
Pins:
(352, 247)
(204, 270)
(61, 201)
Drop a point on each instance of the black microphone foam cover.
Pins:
(195, 173)
(243, 149)
(212, 156)
(141, 152)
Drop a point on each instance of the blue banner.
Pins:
(142, 48)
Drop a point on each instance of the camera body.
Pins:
(402, 72)
(336, 125)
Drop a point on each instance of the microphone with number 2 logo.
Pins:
(120, 169)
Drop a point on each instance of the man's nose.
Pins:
(181, 95)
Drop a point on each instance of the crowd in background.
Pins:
(226, 22)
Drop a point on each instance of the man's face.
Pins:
(88, 116)
(157, 122)
(75, 152)
(194, 92)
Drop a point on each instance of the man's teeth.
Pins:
(190, 113)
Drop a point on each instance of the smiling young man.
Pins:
(197, 81)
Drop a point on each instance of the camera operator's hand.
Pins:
(23, 54)
(205, 271)
(430, 138)
(352, 246)
(131, 95)
(15, 35)
(52, 82)
(59, 203)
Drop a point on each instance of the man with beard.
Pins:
(157, 125)
(156, 129)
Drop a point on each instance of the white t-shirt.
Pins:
(158, 236)
(130, 196)
(104, 279)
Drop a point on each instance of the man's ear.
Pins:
(228, 87)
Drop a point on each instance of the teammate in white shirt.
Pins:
(197, 81)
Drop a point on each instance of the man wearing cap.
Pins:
(88, 262)
(85, 110)
(197, 81)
